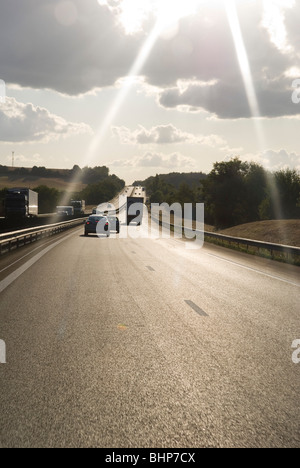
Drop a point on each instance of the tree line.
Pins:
(93, 194)
(87, 175)
(101, 188)
(235, 192)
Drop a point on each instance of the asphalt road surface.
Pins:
(143, 343)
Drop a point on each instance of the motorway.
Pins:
(143, 343)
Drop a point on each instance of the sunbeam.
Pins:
(242, 56)
(120, 98)
(125, 89)
(246, 73)
(133, 12)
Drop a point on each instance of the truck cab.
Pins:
(79, 207)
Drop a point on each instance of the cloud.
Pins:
(21, 122)
(276, 160)
(274, 20)
(159, 161)
(161, 135)
(166, 135)
(229, 100)
(211, 71)
(70, 52)
(72, 46)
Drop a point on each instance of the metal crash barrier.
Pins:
(14, 240)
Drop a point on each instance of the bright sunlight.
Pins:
(133, 13)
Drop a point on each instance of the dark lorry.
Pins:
(79, 207)
(21, 203)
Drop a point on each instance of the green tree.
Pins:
(157, 197)
(48, 199)
(95, 194)
(234, 192)
(185, 194)
(288, 186)
(225, 194)
(256, 179)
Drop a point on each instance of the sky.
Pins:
(149, 86)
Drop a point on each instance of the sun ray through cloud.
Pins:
(166, 13)
(244, 64)
(121, 97)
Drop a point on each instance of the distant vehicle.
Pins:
(66, 211)
(97, 224)
(138, 212)
(79, 207)
(21, 203)
(62, 213)
(114, 223)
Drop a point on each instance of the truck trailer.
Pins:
(21, 203)
(135, 209)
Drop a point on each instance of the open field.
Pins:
(32, 182)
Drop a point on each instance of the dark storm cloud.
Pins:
(229, 100)
(68, 46)
(212, 70)
(75, 46)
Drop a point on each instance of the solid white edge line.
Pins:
(16, 274)
(27, 255)
(254, 270)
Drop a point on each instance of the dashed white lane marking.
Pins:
(196, 308)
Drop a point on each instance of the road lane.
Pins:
(18, 257)
(103, 348)
(249, 332)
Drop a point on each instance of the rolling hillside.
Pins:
(71, 180)
(59, 179)
(35, 181)
(285, 232)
